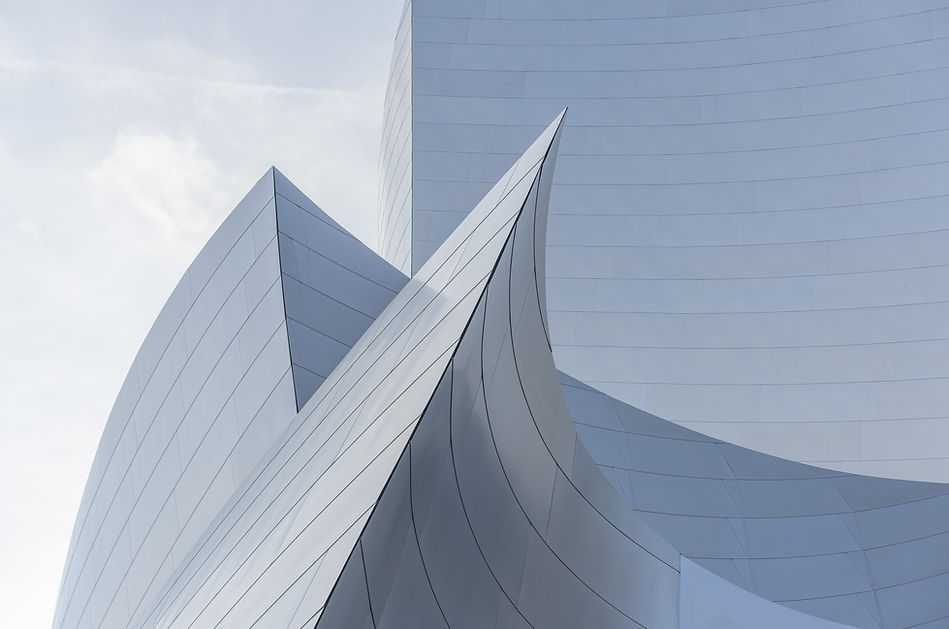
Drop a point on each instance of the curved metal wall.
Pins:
(442, 474)
(748, 226)
(863, 551)
(277, 296)
(492, 517)
(395, 162)
(274, 553)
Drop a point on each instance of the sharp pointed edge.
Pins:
(358, 422)
(333, 287)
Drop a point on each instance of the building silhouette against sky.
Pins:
(736, 227)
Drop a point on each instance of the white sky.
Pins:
(128, 131)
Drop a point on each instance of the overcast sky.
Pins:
(128, 131)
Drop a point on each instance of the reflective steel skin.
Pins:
(494, 517)
(443, 473)
(265, 311)
(395, 162)
(748, 222)
(863, 551)
(278, 546)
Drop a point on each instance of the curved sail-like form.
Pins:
(748, 221)
(444, 475)
(494, 515)
(278, 546)
(263, 314)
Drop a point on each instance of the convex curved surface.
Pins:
(443, 474)
(268, 307)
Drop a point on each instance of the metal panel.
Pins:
(858, 550)
(766, 181)
(301, 511)
(228, 359)
(444, 474)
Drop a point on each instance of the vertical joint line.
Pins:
(365, 574)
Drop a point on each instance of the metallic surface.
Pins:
(278, 546)
(269, 306)
(493, 516)
(395, 162)
(748, 226)
(445, 474)
(863, 551)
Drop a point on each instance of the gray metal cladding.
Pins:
(333, 287)
(498, 522)
(395, 161)
(748, 215)
(272, 302)
(279, 544)
(707, 600)
(444, 474)
(498, 512)
(862, 551)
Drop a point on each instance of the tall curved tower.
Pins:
(749, 218)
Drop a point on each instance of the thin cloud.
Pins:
(126, 136)
(151, 77)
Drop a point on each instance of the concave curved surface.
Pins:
(748, 222)
(446, 475)
(864, 551)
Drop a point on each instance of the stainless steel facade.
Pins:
(862, 551)
(281, 543)
(748, 223)
(440, 472)
(395, 162)
(265, 311)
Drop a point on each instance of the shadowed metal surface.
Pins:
(498, 475)
(748, 226)
(445, 475)
(494, 515)
(280, 543)
(864, 551)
